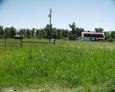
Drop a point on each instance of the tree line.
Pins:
(44, 33)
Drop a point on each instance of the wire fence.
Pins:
(10, 42)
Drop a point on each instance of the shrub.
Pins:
(110, 40)
(72, 37)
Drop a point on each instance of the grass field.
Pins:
(73, 66)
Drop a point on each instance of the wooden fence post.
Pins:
(22, 42)
(54, 41)
(5, 39)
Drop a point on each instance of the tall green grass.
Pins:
(68, 64)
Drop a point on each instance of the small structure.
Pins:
(93, 36)
(18, 36)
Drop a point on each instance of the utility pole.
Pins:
(50, 16)
(50, 24)
(50, 29)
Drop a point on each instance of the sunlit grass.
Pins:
(68, 64)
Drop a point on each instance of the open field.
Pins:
(67, 67)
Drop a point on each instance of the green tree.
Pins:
(79, 31)
(22, 32)
(72, 34)
(107, 35)
(48, 31)
(38, 34)
(33, 32)
(99, 29)
(12, 31)
(73, 27)
(112, 34)
(28, 33)
(64, 33)
(59, 34)
(7, 31)
(1, 31)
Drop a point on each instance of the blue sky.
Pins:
(34, 13)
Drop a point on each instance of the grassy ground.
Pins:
(73, 66)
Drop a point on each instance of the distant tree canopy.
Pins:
(73, 27)
(1, 31)
(75, 31)
(45, 32)
(42, 33)
(8, 31)
(99, 29)
(112, 35)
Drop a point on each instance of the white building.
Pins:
(93, 36)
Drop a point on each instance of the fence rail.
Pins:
(8, 42)
(11, 42)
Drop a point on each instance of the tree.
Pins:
(12, 31)
(1, 31)
(79, 31)
(73, 27)
(28, 33)
(7, 31)
(33, 32)
(64, 33)
(99, 29)
(48, 31)
(72, 34)
(22, 32)
(38, 33)
(107, 35)
(112, 34)
(59, 34)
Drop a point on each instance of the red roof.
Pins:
(92, 33)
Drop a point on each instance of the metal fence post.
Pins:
(5, 40)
